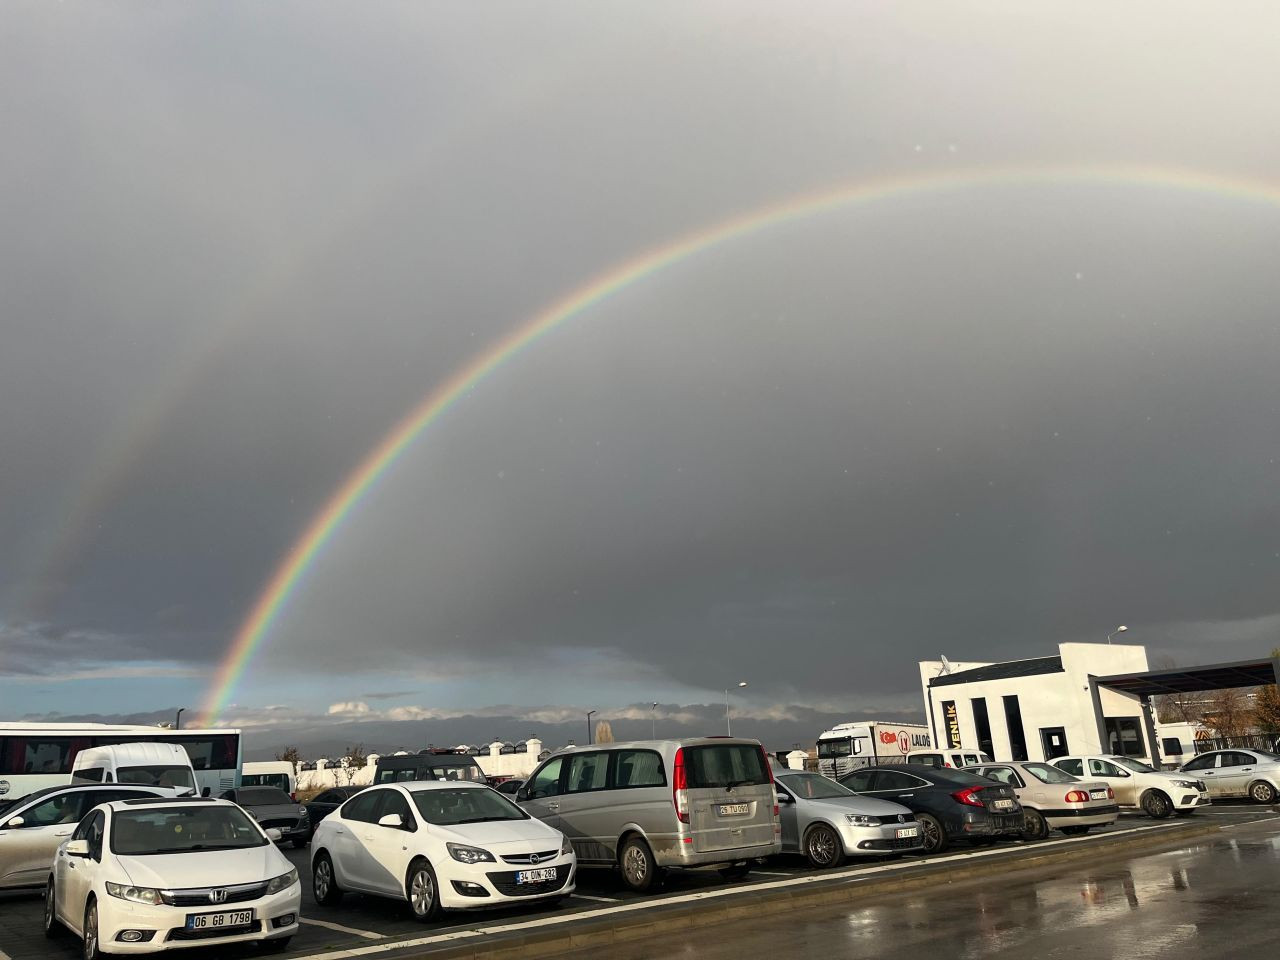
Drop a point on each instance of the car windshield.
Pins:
(1136, 766)
(465, 805)
(159, 830)
(1047, 774)
(813, 786)
(261, 797)
(157, 775)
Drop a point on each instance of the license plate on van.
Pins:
(216, 921)
(536, 876)
(734, 809)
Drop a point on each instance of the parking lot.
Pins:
(362, 922)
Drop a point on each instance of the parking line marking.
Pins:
(769, 873)
(367, 934)
(854, 875)
(583, 896)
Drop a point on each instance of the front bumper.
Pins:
(869, 841)
(1184, 799)
(166, 926)
(477, 886)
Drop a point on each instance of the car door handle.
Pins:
(903, 796)
(553, 806)
(340, 831)
(1245, 770)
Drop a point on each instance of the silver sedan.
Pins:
(826, 821)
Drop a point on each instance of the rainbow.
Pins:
(290, 571)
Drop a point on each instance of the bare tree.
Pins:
(290, 754)
(352, 763)
(1229, 713)
(604, 732)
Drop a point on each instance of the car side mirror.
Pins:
(784, 797)
(15, 823)
(77, 848)
(522, 794)
(392, 820)
(205, 792)
(274, 835)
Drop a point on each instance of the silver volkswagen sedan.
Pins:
(826, 821)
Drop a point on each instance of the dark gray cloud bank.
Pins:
(240, 242)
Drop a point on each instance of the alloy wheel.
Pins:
(635, 864)
(422, 892)
(822, 846)
(91, 932)
(323, 878)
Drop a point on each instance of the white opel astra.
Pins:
(141, 876)
(439, 845)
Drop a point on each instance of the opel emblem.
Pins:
(534, 858)
(218, 896)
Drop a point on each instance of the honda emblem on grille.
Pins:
(218, 896)
(534, 858)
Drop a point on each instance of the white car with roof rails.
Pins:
(440, 845)
(143, 876)
(1139, 785)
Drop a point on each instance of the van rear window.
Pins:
(722, 765)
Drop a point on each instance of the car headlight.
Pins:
(136, 894)
(566, 848)
(1188, 784)
(465, 854)
(859, 820)
(282, 882)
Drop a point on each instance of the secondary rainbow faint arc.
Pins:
(291, 569)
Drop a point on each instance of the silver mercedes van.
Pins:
(652, 805)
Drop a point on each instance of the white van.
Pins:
(150, 764)
(271, 773)
(948, 758)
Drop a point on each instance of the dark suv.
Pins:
(428, 765)
(950, 804)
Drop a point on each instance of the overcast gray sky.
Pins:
(240, 241)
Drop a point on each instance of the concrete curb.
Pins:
(751, 903)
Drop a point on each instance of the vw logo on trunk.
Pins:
(902, 818)
(218, 896)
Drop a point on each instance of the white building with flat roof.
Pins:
(1040, 708)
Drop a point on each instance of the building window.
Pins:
(1017, 739)
(982, 726)
(1124, 737)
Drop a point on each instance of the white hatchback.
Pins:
(141, 876)
(439, 845)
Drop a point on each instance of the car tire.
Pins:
(422, 890)
(1075, 831)
(1034, 825)
(278, 945)
(935, 838)
(1157, 805)
(1262, 792)
(640, 872)
(324, 881)
(89, 931)
(52, 925)
(823, 847)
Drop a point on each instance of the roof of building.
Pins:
(1001, 671)
(1213, 676)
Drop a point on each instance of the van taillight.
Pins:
(773, 784)
(680, 787)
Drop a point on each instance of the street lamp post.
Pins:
(177, 721)
(653, 723)
(590, 714)
(727, 727)
(1120, 629)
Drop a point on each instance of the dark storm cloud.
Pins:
(978, 423)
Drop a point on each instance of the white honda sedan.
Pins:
(439, 845)
(141, 876)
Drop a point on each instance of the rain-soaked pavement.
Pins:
(1214, 899)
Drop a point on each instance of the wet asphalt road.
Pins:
(1210, 900)
(365, 921)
